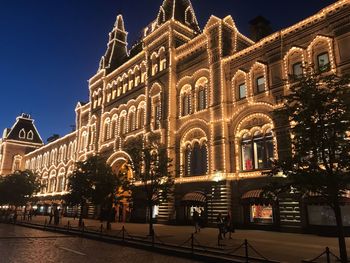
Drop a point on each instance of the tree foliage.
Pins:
(320, 125)
(319, 163)
(151, 170)
(17, 189)
(93, 181)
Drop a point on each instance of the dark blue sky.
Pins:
(50, 48)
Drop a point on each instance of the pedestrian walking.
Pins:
(195, 218)
(56, 215)
(50, 215)
(229, 225)
(220, 224)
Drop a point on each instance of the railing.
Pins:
(190, 247)
(327, 254)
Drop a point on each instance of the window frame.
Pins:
(258, 91)
(243, 84)
(325, 67)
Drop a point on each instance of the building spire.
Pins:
(179, 10)
(116, 53)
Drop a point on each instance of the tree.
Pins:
(319, 163)
(93, 181)
(151, 171)
(16, 189)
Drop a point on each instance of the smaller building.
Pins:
(16, 142)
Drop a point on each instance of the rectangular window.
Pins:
(323, 62)
(260, 84)
(297, 70)
(242, 91)
(262, 214)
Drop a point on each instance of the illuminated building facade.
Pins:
(210, 95)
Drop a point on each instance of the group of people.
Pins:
(225, 226)
(8, 215)
(224, 223)
(55, 215)
(198, 218)
(28, 215)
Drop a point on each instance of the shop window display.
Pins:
(257, 151)
(261, 214)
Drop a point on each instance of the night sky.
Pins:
(50, 48)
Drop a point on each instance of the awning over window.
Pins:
(195, 197)
(255, 197)
(252, 194)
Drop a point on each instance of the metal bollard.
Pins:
(152, 238)
(328, 255)
(68, 225)
(246, 250)
(101, 229)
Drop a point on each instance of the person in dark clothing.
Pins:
(195, 218)
(51, 216)
(229, 225)
(56, 215)
(220, 224)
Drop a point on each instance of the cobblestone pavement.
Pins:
(25, 245)
(285, 247)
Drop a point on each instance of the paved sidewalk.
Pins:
(285, 247)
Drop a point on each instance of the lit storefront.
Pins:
(259, 210)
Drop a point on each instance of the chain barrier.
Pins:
(257, 252)
(191, 242)
(326, 253)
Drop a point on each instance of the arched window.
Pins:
(131, 121)
(157, 114)
(113, 126)
(239, 85)
(22, 134)
(106, 134)
(44, 184)
(137, 76)
(202, 94)
(84, 141)
(140, 117)
(257, 151)
(30, 135)
(52, 182)
(162, 59)
(125, 83)
(143, 73)
(196, 159)
(60, 180)
(120, 91)
(155, 66)
(52, 185)
(186, 100)
(131, 80)
(323, 62)
(122, 128)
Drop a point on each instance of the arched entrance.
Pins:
(120, 166)
(190, 202)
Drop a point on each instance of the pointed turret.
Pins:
(179, 10)
(116, 53)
